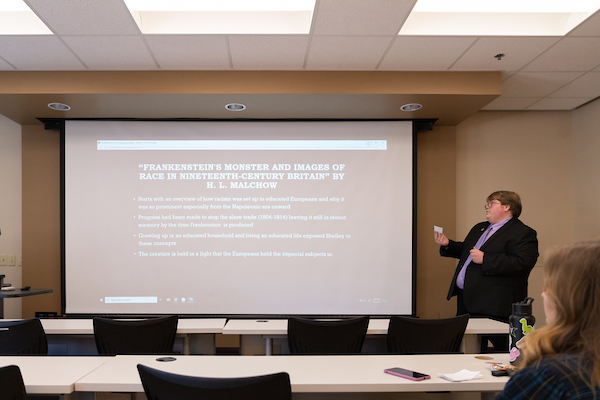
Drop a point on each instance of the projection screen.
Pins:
(238, 217)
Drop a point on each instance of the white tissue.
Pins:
(462, 375)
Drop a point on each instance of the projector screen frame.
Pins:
(417, 125)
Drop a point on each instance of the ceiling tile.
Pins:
(85, 17)
(569, 54)
(4, 66)
(190, 52)
(268, 52)
(589, 27)
(518, 51)
(111, 52)
(424, 53)
(346, 35)
(359, 17)
(506, 74)
(346, 53)
(536, 84)
(558, 103)
(588, 85)
(38, 53)
(511, 103)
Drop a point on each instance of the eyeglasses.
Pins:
(490, 204)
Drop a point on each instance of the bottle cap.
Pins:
(523, 307)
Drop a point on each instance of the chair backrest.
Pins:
(345, 336)
(11, 384)
(160, 385)
(408, 335)
(23, 337)
(146, 336)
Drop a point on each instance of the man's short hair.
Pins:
(508, 198)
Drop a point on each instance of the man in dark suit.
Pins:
(495, 260)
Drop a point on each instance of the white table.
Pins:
(481, 326)
(308, 374)
(85, 327)
(18, 292)
(185, 326)
(275, 328)
(53, 375)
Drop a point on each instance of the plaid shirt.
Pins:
(555, 377)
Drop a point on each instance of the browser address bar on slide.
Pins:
(242, 144)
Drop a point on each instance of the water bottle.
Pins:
(521, 323)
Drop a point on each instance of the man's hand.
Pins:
(440, 239)
(476, 256)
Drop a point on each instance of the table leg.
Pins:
(186, 344)
(471, 344)
(1, 299)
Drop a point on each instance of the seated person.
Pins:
(562, 359)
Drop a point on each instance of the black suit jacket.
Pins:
(509, 256)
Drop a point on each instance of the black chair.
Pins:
(160, 385)
(23, 337)
(309, 336)
(11, 384)
(147, 336)
(408, 335)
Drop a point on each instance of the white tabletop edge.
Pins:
(53, 375)
(475, 326)
(67, 326)
(308, 373)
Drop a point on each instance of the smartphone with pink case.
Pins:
(406, 373)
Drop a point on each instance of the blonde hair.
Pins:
(508, 198)
(572, 283)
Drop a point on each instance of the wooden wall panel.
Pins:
(436, 205)
(41, 217)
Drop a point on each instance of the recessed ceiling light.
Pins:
(506, 6)
(411, 107)
(16, 18)
(219, 5)
(59, 106)
(222, 16)
(502, 18)
(235, 107)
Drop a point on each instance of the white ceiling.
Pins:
(538, 73)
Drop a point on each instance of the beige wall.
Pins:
(531, 153)
(436, 205)
(10, 209)
(586, 171)
(527, 152)
(41, 217)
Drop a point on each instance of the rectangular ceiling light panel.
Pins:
(222, 16)
(497, 18)
(16, 18)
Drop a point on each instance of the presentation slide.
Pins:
(238, 217)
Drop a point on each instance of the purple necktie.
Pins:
(460, 279)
